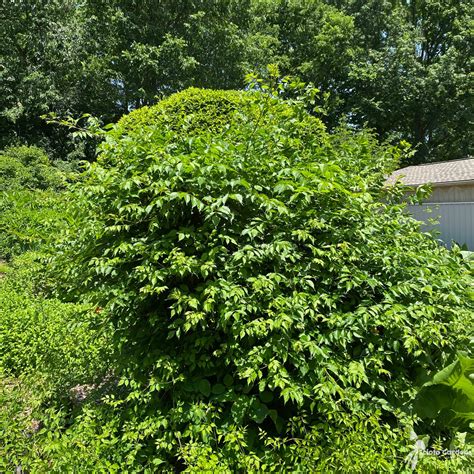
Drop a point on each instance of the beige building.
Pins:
(452, 200)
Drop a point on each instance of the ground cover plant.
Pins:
(52, 355)
(28, 167)
(269, 295)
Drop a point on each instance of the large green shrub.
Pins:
(266, 289)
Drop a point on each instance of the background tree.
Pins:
(412, 80)
(154, 49)
(39, 59)
(401, 67)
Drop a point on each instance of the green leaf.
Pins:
(449, 396)
(204, 387)
(217, 389)
(266, 397)
(258, 412)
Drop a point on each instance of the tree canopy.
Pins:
(400, 67)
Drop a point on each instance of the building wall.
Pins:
(453, 209)
(459, 193)
(455, 221)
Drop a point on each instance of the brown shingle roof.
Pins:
(436, 173)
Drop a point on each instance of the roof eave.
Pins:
(442, 183)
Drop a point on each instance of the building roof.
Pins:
(444, 172)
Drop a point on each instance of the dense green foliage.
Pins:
(231, 288)
(29, 219)
(400, 66)
(40, 335)
(266, 291)
(200, 109)
(27, 167)
(449, 397)
(52, 355)
(31, 209)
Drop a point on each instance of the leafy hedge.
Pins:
(265, 288)
(29, 219)
(39, 334)
(28, 167)
(32, 199)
